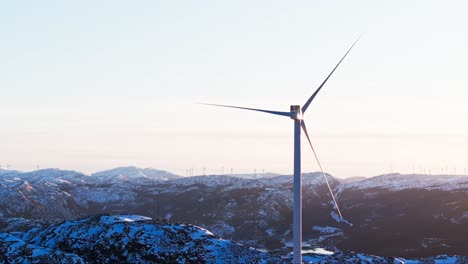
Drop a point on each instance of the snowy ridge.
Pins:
(264, 175)
(136, 175)
(216, 180)
(131, 172)
(123, 218)
(126, 239)
(230, 182)
(396, 182)
(53, 176)
(4, 172)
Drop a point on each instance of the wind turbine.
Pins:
(296, 114)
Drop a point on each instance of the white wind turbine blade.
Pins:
(321, 170)
(288, 114)
(306, 105)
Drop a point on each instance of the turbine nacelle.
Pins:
(296, 112)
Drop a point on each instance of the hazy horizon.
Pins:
(192, 172)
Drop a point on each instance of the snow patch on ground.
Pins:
(338, 219)
(445, 260)
(130, 218)
(326, 229)
(39, 252)
(320, 251)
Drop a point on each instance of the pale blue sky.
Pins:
(89, 85)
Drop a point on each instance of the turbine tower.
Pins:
(296, 114)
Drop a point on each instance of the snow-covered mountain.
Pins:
(139, 239)
(132, 172)
(397, 182)
(8, 172)
(124, 239)
(386, 215)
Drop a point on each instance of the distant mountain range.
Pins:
(387, 215)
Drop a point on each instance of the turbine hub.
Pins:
(296, 112)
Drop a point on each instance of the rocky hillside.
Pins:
(410, 215)
(124, 239)
(138, 239)
(388, 215)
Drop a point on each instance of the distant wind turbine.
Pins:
(296, 113)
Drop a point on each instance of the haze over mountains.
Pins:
(387, 215)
